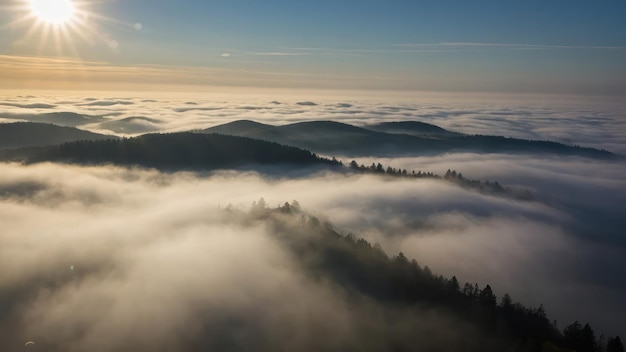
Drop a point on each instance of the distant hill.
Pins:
(241, 127)
(175, 151)
(414, 128)
(319, 136)
(28, 134)
(401, 139)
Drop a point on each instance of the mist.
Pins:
(127, 258)
(576, 120)
(130, 259)
(133, 258)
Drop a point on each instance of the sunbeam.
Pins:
(54, 27)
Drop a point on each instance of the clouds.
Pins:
(297, 52)
(589, 191)
(28, 72)
(30, 106)
(564, 250)
(122, 281)
(123, 259)
(182, 291)
(122, 247)
(132, 125)
(571, 239)
(589, 123)
(107, 103)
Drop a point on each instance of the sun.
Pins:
(61, 27)
(56, 12)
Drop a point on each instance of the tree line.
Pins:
(179, 150)
(491, 187)
(365, 269)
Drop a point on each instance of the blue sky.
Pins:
(529, 46)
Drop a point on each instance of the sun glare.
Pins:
(62, 27)
(53, 11)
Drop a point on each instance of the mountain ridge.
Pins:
(179, 151)
(34, 134)
(337, 138)
(416, 128)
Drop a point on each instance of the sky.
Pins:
(129, 67)
(563, 47)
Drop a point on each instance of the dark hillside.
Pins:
(395, 139)
(178, 150)
(27, 134)
(399, 284)
(415, 128)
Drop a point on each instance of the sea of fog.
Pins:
(590, 122)
(153, 244)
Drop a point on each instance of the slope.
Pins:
(175, 151)
(415, 128)
(29, 134)
(334, 138)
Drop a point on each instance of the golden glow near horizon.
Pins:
(57, 12)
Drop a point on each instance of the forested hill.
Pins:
(415, 128)
(409, 138)
(414, 308)
(175, 151)
(29, 134)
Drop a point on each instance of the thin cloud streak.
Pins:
(444, 47)
(510, 46)
(276, 53)
(33, 72)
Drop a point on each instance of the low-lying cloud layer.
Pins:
(122, 259)
(592, 123)
(129, 259)
(117, 259)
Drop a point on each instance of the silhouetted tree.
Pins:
(259, 206)
(614, 344)
(572, 334)
(401, 258)
(454, 284)
(487, 297)
(179, 150)
(468, 289)
(286, 208)
(427, 271)
(365, 270)
(580, 339)
(506, 301)
(588, 339)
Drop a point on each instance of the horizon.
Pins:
(400, 45)
(231, 237)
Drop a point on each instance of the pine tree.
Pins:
(614, 344)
